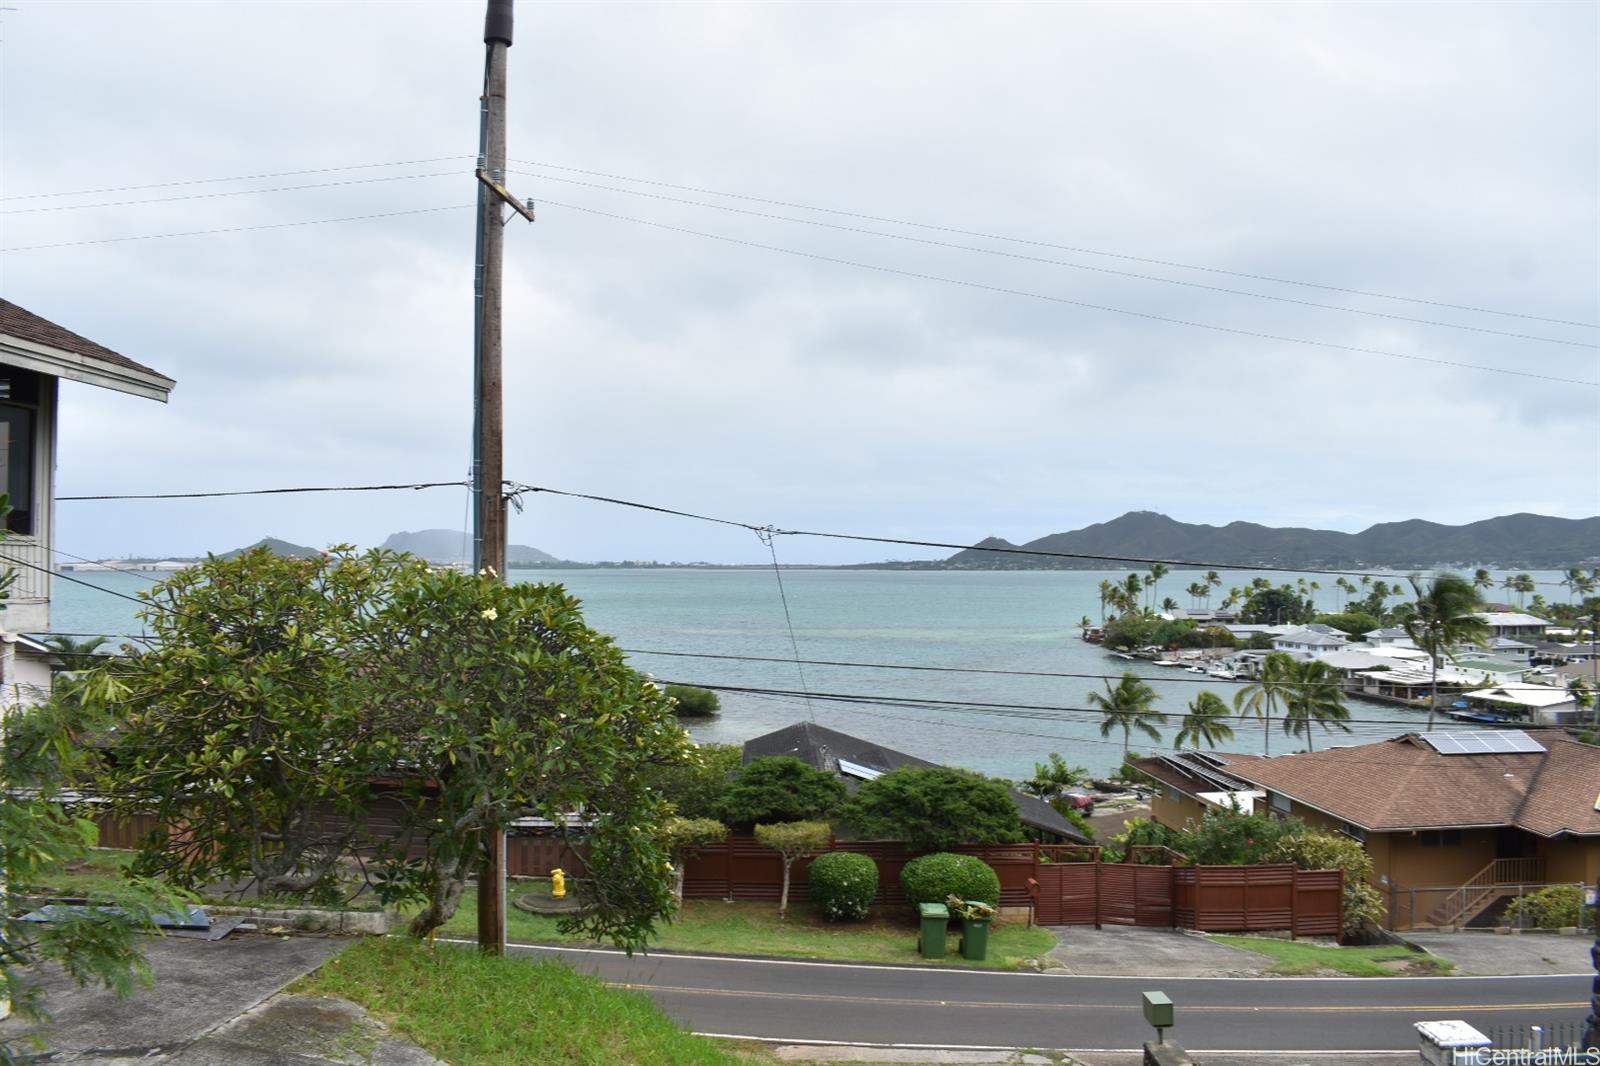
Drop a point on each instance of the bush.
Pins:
(932, 878)
(843, 885)
(1556, 907)
(1363, 906)
(779, 788)
(934, 807)
(691, 702)
(1063, 806)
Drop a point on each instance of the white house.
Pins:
(1514, 624)
(35, 355)
(1306, 643)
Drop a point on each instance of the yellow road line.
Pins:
(821, 997)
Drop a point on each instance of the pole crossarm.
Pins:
(505, 194)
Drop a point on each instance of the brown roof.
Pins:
(1405, 784)
(24, 324)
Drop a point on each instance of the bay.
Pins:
(1023, 621)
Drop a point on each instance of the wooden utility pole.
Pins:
(488, 472)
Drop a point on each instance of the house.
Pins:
(856, 760)
(1390, 637)
(1543, 705)
(1306, 643)
(35, 356)
(1514, 624)
(1454, 821)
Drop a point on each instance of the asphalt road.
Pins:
(805, 1002)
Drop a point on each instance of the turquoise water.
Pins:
(1019, 620)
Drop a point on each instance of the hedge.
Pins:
(933, 878)
(843, 885)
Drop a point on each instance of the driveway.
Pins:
(1487, 954)
(213, 1004)
(1128, 951)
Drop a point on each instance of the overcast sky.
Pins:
(1445, 153)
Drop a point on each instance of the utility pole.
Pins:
(488, 473)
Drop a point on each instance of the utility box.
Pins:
(1158, 1010)
(935, 923)
(1442, 1042)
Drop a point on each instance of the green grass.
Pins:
(889, 935)
(104, 870)
(473, 1010)
(1299, 957)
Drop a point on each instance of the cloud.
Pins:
(1379, 148)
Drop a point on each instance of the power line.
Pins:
(267, 492)
(237, 177)
(517, 488)
(1060, 247)
(236, 229)
(232, 192)
(1007, 291)
(1061, 263)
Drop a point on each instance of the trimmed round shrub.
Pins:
(843, 885)
(933, 878)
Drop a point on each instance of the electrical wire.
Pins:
(236, 229)
(264, 492)
(1007, 291)
(518, 488)
(232, 192)
(1059, 247)
(1061, 263)
(777, 572)
(236, 177)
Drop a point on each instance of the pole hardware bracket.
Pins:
(505, 194)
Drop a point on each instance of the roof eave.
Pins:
(72, 366)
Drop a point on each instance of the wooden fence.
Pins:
(1213, 899)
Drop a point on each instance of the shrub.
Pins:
(934, 807)
(1063, 806)
(1363, 906)
(691, 702)
(793, 840)
(843, 885)
(1556, 907)
(933, 878)
(779, 788)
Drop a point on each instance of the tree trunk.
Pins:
(783, 899)
(678, 864)
(1433, 691)
(443, 899)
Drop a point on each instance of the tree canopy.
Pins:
(934, 807)
(780, 788)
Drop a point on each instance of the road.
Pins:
(808, 1001)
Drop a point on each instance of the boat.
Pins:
(1221, 673)
(1488, 718)
(1121, 655)
(1167, 662)
(1194, 669)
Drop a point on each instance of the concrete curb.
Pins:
(316, 919)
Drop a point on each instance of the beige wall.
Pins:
(1571, 859)
(1175, 813)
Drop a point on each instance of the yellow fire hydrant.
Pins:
(558, 883)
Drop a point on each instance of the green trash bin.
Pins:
(975, 938)
(935, 921)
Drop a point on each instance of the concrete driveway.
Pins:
(1128, 951)
(214, 1003)
(1490, 954)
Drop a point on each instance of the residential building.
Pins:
(35, 356)
(1456, 822)
(1514, 624)
(856, 760)
(1306, 643)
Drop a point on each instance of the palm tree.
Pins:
(1522, 585)
(1134, 588)
(1213, 581)
(74, 655)
(1107, 590)
(1260, 697)
(1197, 591)
(1446, 614)
(1084, 625)
(1482, 579)
(1157, 572)
(1206, 721)
(1169, 605)
(1129, 706)
(1312, 696)
(1346, 590)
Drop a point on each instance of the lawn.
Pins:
(474, 1010)
(889, 935)
(1298, 957)
(104, 869)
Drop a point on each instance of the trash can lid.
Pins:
(1452, 1034)
(934, 910)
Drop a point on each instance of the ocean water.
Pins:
(1023, 621)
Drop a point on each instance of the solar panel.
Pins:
(1484, 742)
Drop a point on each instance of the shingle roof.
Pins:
(24, 324)
(1405, 784)
(822, 748)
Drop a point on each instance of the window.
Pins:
(1353, 831)
(1440, 838)
(19, 400)
(1278, 802)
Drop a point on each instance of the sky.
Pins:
(905, 308)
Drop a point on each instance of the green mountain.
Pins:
(277, 547)
(1511, 541)
(452, 545)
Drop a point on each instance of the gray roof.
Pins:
(822, 748)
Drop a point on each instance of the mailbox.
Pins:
(1158, 1012)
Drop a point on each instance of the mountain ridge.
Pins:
(1507, 541)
